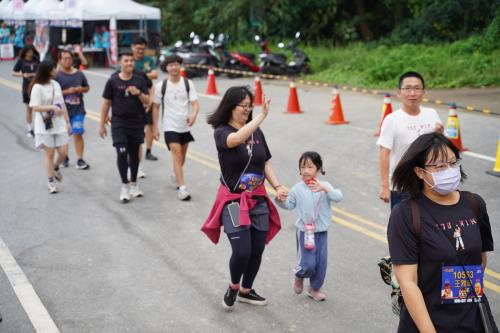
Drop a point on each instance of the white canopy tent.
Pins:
(95, 10)
(37, 9)
(85, 10)
(6, 9)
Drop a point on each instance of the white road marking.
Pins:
(480, 156)
(37, 313)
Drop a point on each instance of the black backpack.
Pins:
(164, 89)
(385, 263)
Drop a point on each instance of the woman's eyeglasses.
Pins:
(246, 106)
(444, 165)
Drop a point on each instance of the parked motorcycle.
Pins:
(234, 60)
(276, 63)
(194, 52)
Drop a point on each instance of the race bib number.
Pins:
(461, 286)
(250, 181)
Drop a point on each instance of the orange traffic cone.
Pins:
(386, 109)
(336, 114)
(453, 128)
(183, 72)
(293, 100)
(211, 87)
(257, 99)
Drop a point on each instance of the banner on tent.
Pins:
(7, 51)
(18, 5)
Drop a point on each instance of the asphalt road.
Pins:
(97, 265)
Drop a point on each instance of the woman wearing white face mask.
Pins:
(429, 255)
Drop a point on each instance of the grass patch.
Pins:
(465, 63)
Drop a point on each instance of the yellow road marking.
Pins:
(492, 273)
(213, 164)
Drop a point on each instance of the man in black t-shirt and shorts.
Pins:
(126, 93)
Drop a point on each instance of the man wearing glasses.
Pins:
(179, 109)
(74, 84)
(401, 128)
(146, 65)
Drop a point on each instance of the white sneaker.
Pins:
(52, 187)
(183, 194)
(124, 194)
(140, 173)
(135, 191)
(173, 179)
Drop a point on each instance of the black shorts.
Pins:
(175, 137)
(123, 135)
(26, 96)
(148, 117)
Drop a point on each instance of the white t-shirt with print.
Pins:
(47, 94)
(177, 105)
(400, 129)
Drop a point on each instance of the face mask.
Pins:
(445, 181)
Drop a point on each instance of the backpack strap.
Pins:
(415, 213)
(186, 83)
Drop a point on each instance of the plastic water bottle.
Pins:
(309, 236)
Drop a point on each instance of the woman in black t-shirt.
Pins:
(26, 67)
(244, 161)
(440, 263)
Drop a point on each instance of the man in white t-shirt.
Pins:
(176, 96)
(401, 128)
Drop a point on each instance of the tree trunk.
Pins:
(366, 33)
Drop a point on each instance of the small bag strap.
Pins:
(244, 170)
(316, 210)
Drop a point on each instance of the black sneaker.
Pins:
(82, 165)
(251, 298)
(229, 298)
(65, 163)
(151, 157)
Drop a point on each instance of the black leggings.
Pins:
(127, 155)
(248, 246)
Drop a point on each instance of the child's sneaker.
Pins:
(251, 298)
(298, 285)
(229, 298)
(316, 295)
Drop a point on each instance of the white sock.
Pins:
(183, 188)
(30, 128)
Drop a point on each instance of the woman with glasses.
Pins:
(242, 205)
(423, 233)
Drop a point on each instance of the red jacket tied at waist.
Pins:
(212, 225)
